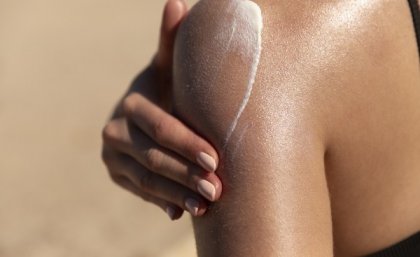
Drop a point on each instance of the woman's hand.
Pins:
(151, 153)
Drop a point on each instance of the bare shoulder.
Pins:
(341, 75)
(338, 45)
(354, 65)
(319, 51)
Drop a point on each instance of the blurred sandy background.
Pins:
(63, 64)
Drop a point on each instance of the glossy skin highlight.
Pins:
(324, 159)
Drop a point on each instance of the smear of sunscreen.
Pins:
(246, 36)
(215, 34)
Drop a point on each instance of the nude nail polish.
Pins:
(192, 206)
(206, 189)
(206, 161)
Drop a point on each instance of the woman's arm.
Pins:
(275, 200)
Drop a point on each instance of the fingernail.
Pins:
(206, 189)
(171, 212)
(192, 206)
(206, 161)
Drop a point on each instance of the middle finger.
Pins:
(132, 141)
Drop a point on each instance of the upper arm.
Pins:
(275, 200)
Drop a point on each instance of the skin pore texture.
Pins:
(320, 154)
(236, 32)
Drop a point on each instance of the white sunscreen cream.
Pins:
(217, 54)
(246, 36)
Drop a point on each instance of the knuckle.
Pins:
(116, 179)
(129, 104)
(107, 157)
(154, 159)
(119, 179)
(145, 181)
(110, 132)
(160, 130)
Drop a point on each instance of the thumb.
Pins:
(174, 12)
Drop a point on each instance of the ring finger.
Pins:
(129, 139)
(146, 183)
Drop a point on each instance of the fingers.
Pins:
(128, 139)
(173, 211)
(173, 14)
(152, 187)
(169, 132)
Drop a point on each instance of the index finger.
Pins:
(173, 14)
(169, 132)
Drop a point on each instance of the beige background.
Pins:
(63, 64)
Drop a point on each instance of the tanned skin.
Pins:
(325, 158)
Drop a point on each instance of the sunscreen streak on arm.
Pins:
(233, 6)
(217, 51)
(251, 18)
(231, 36)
